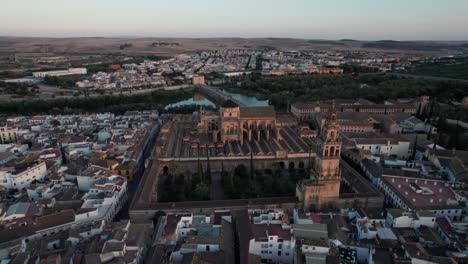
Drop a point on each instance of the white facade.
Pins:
(314, 249)
(274, 250)
(71, 71)
(115, 195)
(410, 220)
(12, 180)
(400, 150)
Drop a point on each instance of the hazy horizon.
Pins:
(368, 20)
(229, 37)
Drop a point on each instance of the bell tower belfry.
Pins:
(325, 176)
(327, 165)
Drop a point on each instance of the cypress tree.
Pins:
(413, 156)
(208, 167)
(418, 112)
(200, 168)
(251, 166)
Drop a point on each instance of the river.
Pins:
(200, 100)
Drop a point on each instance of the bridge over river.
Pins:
(219, 95)
(216, 95)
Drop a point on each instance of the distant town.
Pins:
(210, 67)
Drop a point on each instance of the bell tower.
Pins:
(323, 187)
(327, 166)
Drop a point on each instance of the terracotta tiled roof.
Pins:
(257, 112)
(262, 231)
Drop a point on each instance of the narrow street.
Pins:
(133, 186)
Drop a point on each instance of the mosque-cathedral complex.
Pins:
(237, 134)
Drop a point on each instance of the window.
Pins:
(279, 253)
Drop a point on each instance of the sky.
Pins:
(309, 19)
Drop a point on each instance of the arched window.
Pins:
(332, 151)
(301, 165)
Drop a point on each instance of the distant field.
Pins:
(172, 46)
(413, 46)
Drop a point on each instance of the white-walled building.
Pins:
(272, 242)
(398, 218)
(21, 177)
(377, 144)
(418, 194)
(107, 195)
(70, 71)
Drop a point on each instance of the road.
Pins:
(132, 187)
